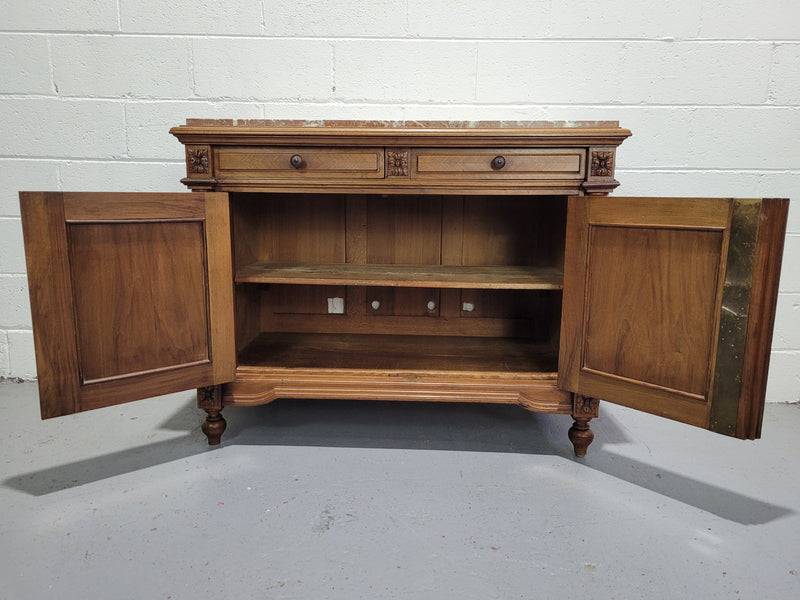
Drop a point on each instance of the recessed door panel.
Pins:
(135, 288)
(671, 274)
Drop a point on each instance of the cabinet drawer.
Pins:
(294, 163)
(498, 163)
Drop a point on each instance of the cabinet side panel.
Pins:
(569, 354)
(51, 302)
(219, 262)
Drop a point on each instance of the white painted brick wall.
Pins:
(202, 17)
(25, 65)
(12, 255)
(90, 88)
(22, 174)
(50, 15)
(429, 71)
(261, 69)
(114, 66)
(62, 128)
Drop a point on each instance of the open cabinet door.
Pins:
(669, 305)
(131, 295)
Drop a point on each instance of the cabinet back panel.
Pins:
(402, 302)
(298, 228)
(511, 313)
(302, 299)
(138, 284)
(513, 231)
(404, 230)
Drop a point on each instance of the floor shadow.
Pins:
(423, 426)
(411, 425)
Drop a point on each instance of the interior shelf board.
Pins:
(434, 276)
(399, 353)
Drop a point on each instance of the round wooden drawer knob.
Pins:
(498, 162)
(296, 161)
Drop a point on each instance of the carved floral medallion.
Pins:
(397, 163)
(197, 160)
(602, 164)
(585, 406)
(209, 397)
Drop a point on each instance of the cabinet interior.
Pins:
(398, 282)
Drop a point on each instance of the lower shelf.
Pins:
(399, 353)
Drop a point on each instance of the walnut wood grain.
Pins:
(219, 263)
(499, 277)
(300, 162)
(393, 186)
(125, 283)
(629, 320)
(485, 163)
(399, 353)
(50, 289)
(629, 297)
(258, 385)
(136, 324)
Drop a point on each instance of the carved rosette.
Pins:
(602, 163)
(585, 407)
(397, 163)
(197, 159)
(209, 398)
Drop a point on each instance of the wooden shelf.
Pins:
(423, 276)
(399, 353)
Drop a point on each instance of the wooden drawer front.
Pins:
(276, 163)
(479, 163)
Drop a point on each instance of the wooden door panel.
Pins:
(131, 295)
(670, 273)
(662, 300)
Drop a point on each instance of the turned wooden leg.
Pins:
(210, 400)
(214, 426)
(584, 409)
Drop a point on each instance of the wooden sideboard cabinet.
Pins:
(427, 261)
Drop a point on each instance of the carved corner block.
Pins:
(397, 160)
(199, 169)
(602, 163)
(209, 398)
(199, 165)
(585, 407)
(600, 170)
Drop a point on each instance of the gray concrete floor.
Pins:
(331, 499)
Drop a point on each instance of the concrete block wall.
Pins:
(90, 88)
